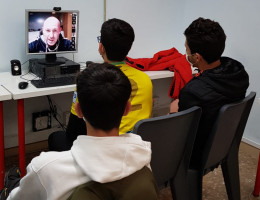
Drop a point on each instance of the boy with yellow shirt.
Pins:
(115, 42)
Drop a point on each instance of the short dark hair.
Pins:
(117, 36)
(207, 38)
(103, 91)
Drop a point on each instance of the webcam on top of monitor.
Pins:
(57, 8)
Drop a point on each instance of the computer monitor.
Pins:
(51, 32)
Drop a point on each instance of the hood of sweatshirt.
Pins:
(229, 79)
(106, 159)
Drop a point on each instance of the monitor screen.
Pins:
(50, 32)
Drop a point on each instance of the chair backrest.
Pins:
(172, 137)
(227, 131)
(138, 186)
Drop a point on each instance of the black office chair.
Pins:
(172, 137)
(222, 148)
(63, 140)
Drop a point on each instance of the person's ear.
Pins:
(127, 108)
(78, 110)
(101, 49)
(198, 57)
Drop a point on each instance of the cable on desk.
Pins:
(53, 110)
(24, 62)
(35, 76)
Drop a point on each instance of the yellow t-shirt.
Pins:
(141, 97)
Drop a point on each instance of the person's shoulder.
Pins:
(66, 41)
(193, 84)
(131, 138)
(129, 68)
(134, 73)
(197, 87)
(36, 46)
(46, 158)
(65, 45)
(34, 43)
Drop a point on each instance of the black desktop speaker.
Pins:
(16, 67)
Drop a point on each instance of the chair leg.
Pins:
(257, 180)
(179, 187)
(194, 180)
(179, 190)
(230, 170)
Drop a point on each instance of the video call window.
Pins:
(51, 32)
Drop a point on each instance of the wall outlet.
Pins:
(41, 120)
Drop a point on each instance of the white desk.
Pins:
(4, 95)
(11, 84)
(159, 74)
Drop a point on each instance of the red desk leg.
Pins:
(2, 148)
(21, 136)
(257, 180)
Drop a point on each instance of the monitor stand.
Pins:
(50, 60)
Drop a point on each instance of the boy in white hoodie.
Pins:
(102, 155)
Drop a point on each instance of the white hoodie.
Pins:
(54, 175)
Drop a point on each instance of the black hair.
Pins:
(103, 91)
(117, 36)
(207, 38)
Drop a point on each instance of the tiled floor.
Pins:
(213, 183)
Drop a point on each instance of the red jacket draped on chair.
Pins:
(167, 59)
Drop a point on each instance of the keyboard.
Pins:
(53, 82)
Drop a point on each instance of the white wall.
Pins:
(159, 25)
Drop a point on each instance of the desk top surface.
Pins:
(4, 94)
(11, 84)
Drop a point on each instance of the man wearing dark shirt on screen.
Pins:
(51, 39)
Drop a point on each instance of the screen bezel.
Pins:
(27, 11)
